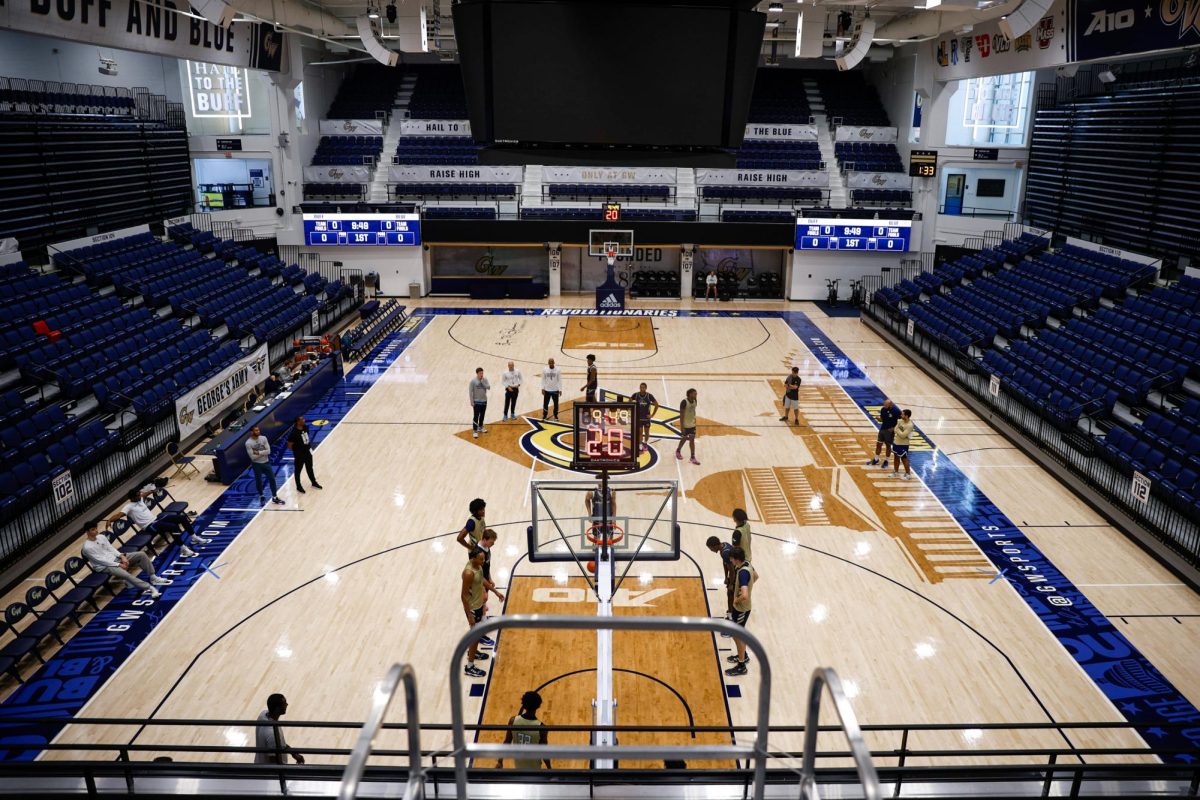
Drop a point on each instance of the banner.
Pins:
(615, 175)
(1107, 28)
(986, 51)
(435, 127)
(341, 174)
(1112, 251)
(73, 244)
(351, 127)
(750, 177)
(416, 173)
(204, 403)
(148, 27)
(804, 133)
(878, 180)
(863, 133)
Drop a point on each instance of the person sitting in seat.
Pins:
(101, 556)
(169, 524)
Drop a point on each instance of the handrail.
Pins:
(463, 750)
(381, 700)
(825, 677)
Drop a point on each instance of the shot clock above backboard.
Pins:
(349, 230)
(605, 436)
(922, 163)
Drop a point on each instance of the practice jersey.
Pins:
(746, 576)
(687, 416)
(477, 594)
(530, 732)
(741, 538)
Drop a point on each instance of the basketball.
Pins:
(591, 567)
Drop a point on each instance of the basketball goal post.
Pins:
(610, 244)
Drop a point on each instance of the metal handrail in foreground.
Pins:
(464, 750)
(380, 701)
(826, 678)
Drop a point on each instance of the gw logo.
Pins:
(1106, 22)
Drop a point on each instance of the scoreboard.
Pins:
(885, 235)
(334, 230)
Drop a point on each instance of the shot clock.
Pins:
(605, 436)
(922, 163)
(612, 212)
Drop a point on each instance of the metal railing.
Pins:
(382, 699)
(464, 750)
(826, 678)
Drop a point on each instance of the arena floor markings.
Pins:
(901, 586)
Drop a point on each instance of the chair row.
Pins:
(637, 191)
(426, 188)
(889, 197)
(1061, 402)
(777, 193)
(1174, 471)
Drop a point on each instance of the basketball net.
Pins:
(611, 256)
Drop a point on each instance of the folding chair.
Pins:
(180, 461)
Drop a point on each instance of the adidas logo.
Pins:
(610, 302)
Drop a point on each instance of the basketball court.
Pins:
(905, 588)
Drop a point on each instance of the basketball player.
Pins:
(903, 435)
(724, 549)
(687, 425)
(472, 532)
(599, 506)
(551, 387)
(888, 416)
(744, 578)
(647, 407)
(741, 533)
(532, 731)
(474, 595)
(486, 543)
(593, 380)
(791, 395)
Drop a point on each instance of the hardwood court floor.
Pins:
(318, 597)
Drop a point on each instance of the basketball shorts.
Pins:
(900, 450)
(478, 612)
(886, 435)
(789, 404)
(740, 617)
(688, 432)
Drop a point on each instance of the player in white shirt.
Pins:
(101, 556)
(551, 387)
(710, 285)
(511, 381)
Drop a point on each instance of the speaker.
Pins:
(373, 45)
(1021, 21)
(864, 35)
(1106, 76)
(215, 11)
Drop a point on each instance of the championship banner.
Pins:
(417, 173)
(616, 175)
(351, 127)
(751, 177)
(863, 133)
(986, 51)
(340, 174)
(148, 27)
(1105, 28)
(803, 133)
(435, 127)
(878, 180)
(205, 402)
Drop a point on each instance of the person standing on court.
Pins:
(903, 436)
(474, 595)
(473, 530)
(551, 387)
(268, 737)
(298, 443)
(723, 549)
(791, 395)
(593, 380)
(647, 407)
(511, 380)
(259, 450)
(687, 425)
(741, 533)
(101, 556)
(477, 389)
(531, 730)
(889, 415)
(744, 578)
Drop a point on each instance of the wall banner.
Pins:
(762, 130)
(878, 180)
(148, 27)
(341, 174)
(986, 51)
(750, 177)
(435, 127)
(351, 127)
(416, 173)
(205, 402)
(1107, 28)
(614, 175)
(864, 133)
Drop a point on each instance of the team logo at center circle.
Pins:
(551, 441)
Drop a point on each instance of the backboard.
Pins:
(601, 241)
(645, 511)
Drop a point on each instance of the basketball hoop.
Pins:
(616, 534)
(611, 255)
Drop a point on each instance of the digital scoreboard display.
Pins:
(373, 230)
(922, 163)
(884, 235)
(605, 436)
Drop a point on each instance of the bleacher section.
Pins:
(454, 150)
(1120, 168)
(368, 93)
(849, 99)
(779, 98)
(335, 191)
(869, 156)
(347, 151)
(23, 96)
(439, 92)
(770, 154)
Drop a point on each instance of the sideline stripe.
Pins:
(73, 675)
(1126, 677)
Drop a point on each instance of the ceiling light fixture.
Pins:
(775, 7)
(372, 12)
